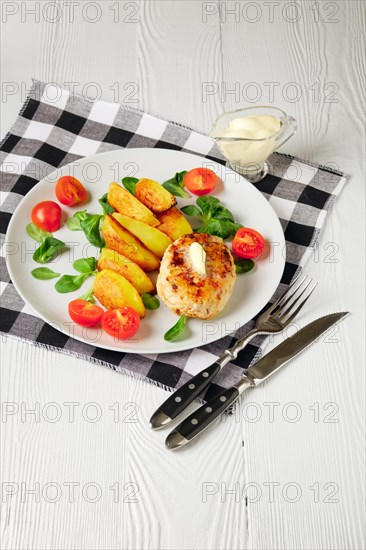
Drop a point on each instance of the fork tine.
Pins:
(285, 307)
(282, 304)
(285, 294)
(300, 306)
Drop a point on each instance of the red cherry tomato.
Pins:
(84, 313)
(200, 181)
(69, 191)
(47, 216)
(248, 243)
(121, 323)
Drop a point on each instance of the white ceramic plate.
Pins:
(251, 292)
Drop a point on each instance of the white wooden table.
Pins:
(287, 471)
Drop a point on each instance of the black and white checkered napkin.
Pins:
(55, 128)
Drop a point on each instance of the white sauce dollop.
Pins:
(198, 258)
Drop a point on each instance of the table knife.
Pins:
(254, 375)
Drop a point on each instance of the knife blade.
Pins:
(253, 376)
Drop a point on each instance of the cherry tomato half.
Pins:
(47, 216)
(84, 313)
(248, 243)
(121, 323)
(200, 181)
(69, 191)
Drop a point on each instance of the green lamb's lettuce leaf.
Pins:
(107, 208)
(175, 185)
(243, 265)
(91, 228)
(216, 218)
(191, 210)
(85, 265)
(150, 302)
(74, 223)
(44, 273)
(69, 283)
(90, 224)
(36, 233)
(48, 250)
(175, 332)
(129, 183)
(88, 296)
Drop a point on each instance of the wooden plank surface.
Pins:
(320, 453)
(177, 59)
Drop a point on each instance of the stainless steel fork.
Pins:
(272, 321)
(277, 317)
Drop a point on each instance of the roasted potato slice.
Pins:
(154, 196)
(114, 291)
(174, 224)
(110, 259)
(151, 237)
(125, 203)
(119, 239)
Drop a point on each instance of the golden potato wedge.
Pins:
(114, 291)
(151, 237)
(174, 224)
(125, 203)
(110, 259)
(119, 239)
(154, 196)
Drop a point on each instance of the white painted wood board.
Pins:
(177, 59)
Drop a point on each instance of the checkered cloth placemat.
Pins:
(55, 128)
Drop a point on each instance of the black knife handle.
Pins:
(202, 417)
(182, 397)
